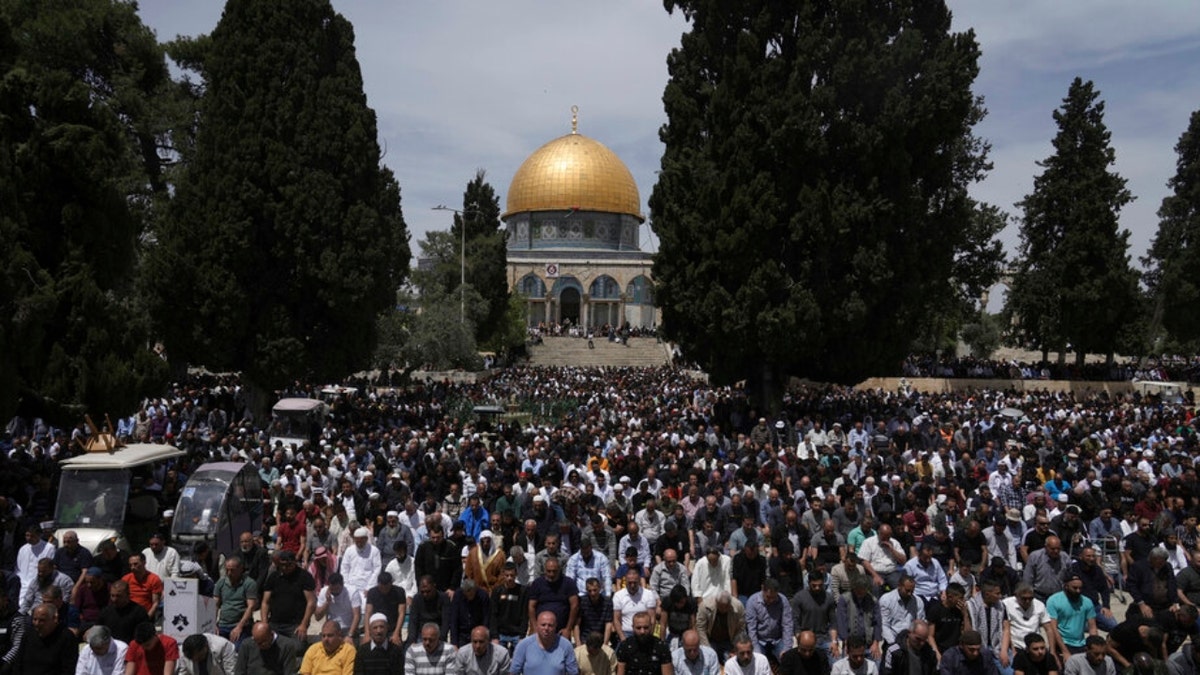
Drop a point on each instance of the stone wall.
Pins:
(943, 385)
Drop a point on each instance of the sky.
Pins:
(461, 85)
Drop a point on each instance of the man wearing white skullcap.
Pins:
(378, 655)
(361, 563)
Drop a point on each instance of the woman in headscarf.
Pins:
(485, 561)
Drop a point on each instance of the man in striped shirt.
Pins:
(431, 656)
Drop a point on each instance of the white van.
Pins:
(296, 421)
(93, 492)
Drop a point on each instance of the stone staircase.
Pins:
(569, 351)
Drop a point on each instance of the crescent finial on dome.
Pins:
(574, 119)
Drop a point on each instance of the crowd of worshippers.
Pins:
(662, 525)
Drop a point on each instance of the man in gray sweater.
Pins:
(815, 609)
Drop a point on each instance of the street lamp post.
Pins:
(462, 260)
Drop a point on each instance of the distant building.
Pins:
(573, 217)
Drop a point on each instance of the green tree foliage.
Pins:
(509, 340)
(945, 317)
(1074, 284)
(84, 91)
(441, 296)
(392, 330)
(439, 272)
(983, 335)
(812, 203)
(437, 337)
(286, 238)
(1173, 262)
(486, 256)
(188, 54)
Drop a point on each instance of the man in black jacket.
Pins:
(48, 648)
(805, 659)
(268, 653)
(439, 559)
(122, 614)
(429, 605)
(1145, 578)
(910, 644)
(509, 620)
(255, 558)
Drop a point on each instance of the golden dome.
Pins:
(573, 172)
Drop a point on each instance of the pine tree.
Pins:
(487, 257)
(286, 239)
(1074, 284)
(486, 262)
(812, 200)
(1173, 261)
(487, 254)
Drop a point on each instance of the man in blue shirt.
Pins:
(1073, 617)
(928, 574)
(693, 658)
(769, 621)
(545, 652)
(475, 518)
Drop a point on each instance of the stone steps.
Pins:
(569, 351)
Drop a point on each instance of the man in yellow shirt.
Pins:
(595, 657)
(331, 656)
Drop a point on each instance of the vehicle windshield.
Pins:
(199, 509)
(291, 424)
(92, 499)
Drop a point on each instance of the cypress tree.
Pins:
(286, 239)
(84, 90)
(1074, 284)
(1173, 261)
(812, 203)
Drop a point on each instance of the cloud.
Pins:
(483, 86)
(459, 86)
(1069, 34)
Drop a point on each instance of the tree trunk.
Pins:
(177, 369)
(258, 401)
(765, 388)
